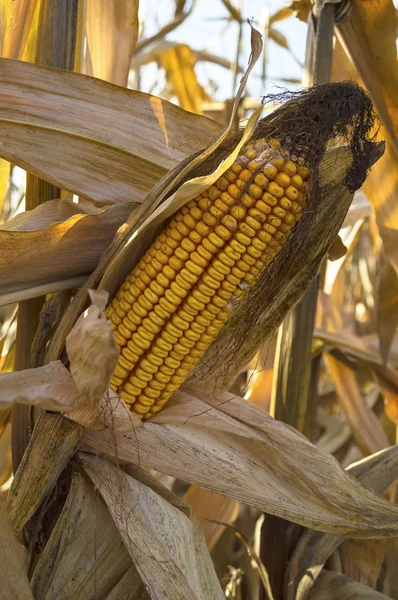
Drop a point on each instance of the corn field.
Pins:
(198, 300)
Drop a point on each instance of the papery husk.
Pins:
(92, 350)
(166, 545)
(84, 530)
(223, 443)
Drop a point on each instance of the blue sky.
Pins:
(205, 30)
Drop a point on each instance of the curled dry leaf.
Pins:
(167, 546)
(107, 143)
(13, 575)
(84, 530)
(377, 472)
(92, 350)
(51, 387)
(223, 443)
(53, 243)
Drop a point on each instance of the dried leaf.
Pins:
(166, 546)
(112, 31)
(246, 455)
(51, 387)
(364, 424)
(53, 243)
(84, 557)
(210, 508)
(129, 586)
(331, 584)
(337, 249)
(118, 155)
(387, 307)
(13, 575)
(179, 64)
(363, 559)
(280, 15)
(53, 442)
(92, 350)
(376, 472)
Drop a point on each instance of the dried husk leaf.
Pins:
(50, 387)
(134, 139)
(84, 557)
(242, 451)
(92, 350)
(112, 32)
(377, 472)
(13, 574)
(285, 290)
(55, 242)
(129, 586)
(167, 547)
(331, 584)
(53, 442)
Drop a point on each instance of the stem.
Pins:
(55, 47)
(293, 398)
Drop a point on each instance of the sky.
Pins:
(205, 29)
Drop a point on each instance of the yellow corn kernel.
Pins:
(176, 300)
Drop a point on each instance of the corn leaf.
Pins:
(227, 445)
(129, 586)
(13, 575)
(112, 31)
(55, 242)
(107, 144)
(51, 387)
(365, 426)
(53, 443)
(179, 64)
(377, 472)
(167, 546)
(331, 584)
(363, 559)
(84, 556)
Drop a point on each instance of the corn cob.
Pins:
(175, 301)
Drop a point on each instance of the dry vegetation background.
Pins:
(193, 54)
